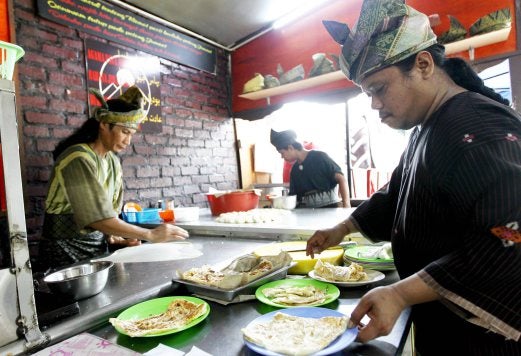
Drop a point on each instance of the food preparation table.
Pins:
(219, 334)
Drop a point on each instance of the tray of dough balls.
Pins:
(241, 277)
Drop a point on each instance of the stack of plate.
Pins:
(357, 253)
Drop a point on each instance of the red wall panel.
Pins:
(4, 21)
(297, 42)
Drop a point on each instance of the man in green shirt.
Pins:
(86, 189)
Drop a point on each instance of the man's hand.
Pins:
(119, 241)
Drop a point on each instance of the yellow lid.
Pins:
(305, 263)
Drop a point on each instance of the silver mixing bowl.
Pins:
(80, 281)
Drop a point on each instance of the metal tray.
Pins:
(229, 294)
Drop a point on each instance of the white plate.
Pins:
(372, 276)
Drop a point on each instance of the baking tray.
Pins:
(229, 294)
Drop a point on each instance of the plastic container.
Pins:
(9, 54)
(167, 215)
(287, 202)
(186, 214)
(148, 215)
(233, 201)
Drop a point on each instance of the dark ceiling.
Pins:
(227, 23)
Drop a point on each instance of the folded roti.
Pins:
(292, 295)
(239, 272)
(293, 335)
(179, 313)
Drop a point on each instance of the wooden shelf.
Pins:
(299, 85)
(468, 44)
(477, 41)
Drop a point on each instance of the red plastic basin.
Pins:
(234, 201)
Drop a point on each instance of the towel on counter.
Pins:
(384, 252)
(164, 350)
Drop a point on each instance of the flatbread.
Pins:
(208, 276)
(352, 273)
(239, 272)
(179, 313)
(293, 335)
(291, 295)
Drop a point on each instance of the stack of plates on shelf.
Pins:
(375, 257)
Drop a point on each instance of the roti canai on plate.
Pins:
(241, 271)
(294, 335)
(352, 273)
(293, 295)
(179, 313)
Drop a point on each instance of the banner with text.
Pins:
(112, 71)
(120, 25)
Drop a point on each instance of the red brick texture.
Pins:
(195, 150)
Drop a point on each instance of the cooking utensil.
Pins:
(81, 281)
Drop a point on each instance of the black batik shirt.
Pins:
(453, 210)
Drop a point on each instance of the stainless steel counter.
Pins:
(219, 334)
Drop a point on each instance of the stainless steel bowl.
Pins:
(80, 281)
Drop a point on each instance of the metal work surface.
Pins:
(131, 283)
(295, 225)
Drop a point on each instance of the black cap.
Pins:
(282, 139)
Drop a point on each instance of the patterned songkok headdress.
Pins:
(127, 110)
(387, 32)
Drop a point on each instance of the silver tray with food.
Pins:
(241, 277)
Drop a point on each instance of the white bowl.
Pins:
(185, 214)
(287, 202)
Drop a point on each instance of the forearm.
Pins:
(413, 290)
(343, 191)
(117, 227)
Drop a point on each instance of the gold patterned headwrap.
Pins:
(127, 110)
(387, 32)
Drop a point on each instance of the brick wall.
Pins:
(195, 150)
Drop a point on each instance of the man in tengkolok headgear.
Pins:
(452, 206)
(85, 194)
(315, 178)
(127, 110)
(282, 139)
(386, 32)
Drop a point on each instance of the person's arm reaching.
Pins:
(323, 239)
(162, 233)
(383, 306)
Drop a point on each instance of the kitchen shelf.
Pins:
(468, 44)
(294, 86)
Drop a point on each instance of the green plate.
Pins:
(353, 254)
(158, 306)
(332, 292)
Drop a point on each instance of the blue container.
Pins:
(147, 216)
